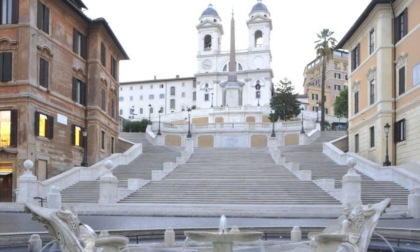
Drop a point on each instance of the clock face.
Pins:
(207, 64)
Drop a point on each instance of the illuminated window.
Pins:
(44, 125)
(8, 125)
(77, 136)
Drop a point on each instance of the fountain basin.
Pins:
(214, 237)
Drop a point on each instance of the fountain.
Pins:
(351, 232)
(223, 240)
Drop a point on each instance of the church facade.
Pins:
(246, 82)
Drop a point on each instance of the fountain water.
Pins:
(385, 240)
(222, 225)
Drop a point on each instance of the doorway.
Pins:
(6, 182)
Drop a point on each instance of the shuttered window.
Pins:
(401, 26)
(43, 18)
(79, 44)
(5, 66)
(43, 72)
(44, 125)
(9, 12)
(79, 91)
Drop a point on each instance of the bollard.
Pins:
(35, 243)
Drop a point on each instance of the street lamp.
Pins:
(258, 87)
(84, 133)
(387, 163)
(302, 131)
(273, 134)
(189, 125)
(150, 113)
(158, 133)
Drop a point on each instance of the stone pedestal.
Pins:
(303, 139)
(189, 145)
(296, 234)
(352, 186)
(108, 188)
(27, 185)
(169, 237)
(35, 243)
(54, 198)
(414, 203)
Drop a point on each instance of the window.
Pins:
(79, 44)
(103, 100)
(372, 91)
(314, 96)
(346, 77)
(371, 41)
(151, 97)
(43, 72)
(206, 97)
(121, 111)
(77, 136)
(194, 84)
(401, 26)
(79, 91)
(172, 90)
(172, 104)
(258, 39)
(103, 54)
(207, 43)
(9, 12)
(356, 143)
(112, 144)
(372, 136)
(355, 57)
(113, 108)
(131, 98)
(103, 140)
(258, 94)
(401, 81)
(44, 125)
(162, 96)
(337, 87)
(131, 87)
(121, 98)
(151, 86)
(400, 131)
(161, 85)
(356, 102)
(114, 67)
(183, 94)
(8, 128)
(6, 66)
(161, 110)
(337, 75)
(43, 18)
(141, 97)
(141, 87)
(141, 111)
(194, 96)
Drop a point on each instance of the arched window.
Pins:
(239, 67)
(258, 38)
(172, 90)
(207, 43)
(141, 111)
(172, 104)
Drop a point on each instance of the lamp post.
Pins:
(84, 133)
(212, 100)
(302, 131)
(150, 113)
(387, 163)
(158, 133)
(258, 87)
(273, 134)
(189, 125)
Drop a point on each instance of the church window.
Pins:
(207, 42)
(258, 38)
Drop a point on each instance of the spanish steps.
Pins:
(245, 176)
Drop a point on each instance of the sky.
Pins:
(161, 39)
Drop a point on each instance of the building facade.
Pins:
(335, 80)
(59, 78)
(384, 82)
(144, 99)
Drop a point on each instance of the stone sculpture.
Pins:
(71, 234)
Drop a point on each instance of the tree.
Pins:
(341, 108)
(284, 102)
(324, 49)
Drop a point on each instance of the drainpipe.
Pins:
(394, 99)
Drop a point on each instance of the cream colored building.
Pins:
(384, 81)
(335, 81)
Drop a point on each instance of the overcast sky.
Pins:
(160, 36)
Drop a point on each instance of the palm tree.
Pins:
(324, 49)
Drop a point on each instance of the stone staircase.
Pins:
(231, 176)
(152, 158)
(310, 157)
